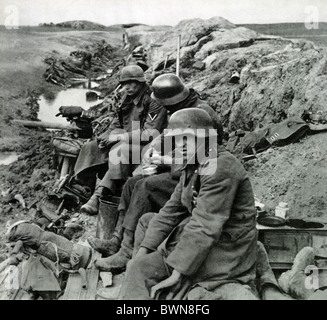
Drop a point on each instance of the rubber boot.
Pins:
(117, 263)
(92, 206)
(115, 186)
(304, 258)
(109, 247)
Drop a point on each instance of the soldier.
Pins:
(205, 235)
(86, 62)
(136, 106)
(141, 195)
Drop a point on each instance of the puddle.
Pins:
(7, 158)
(82, 84)
(49, 107)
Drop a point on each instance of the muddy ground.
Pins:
(25, 52)
(295, 173)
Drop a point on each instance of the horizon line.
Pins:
(144, 24)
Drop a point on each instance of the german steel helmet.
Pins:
(168, 90)
(131, 72)
(189, 121)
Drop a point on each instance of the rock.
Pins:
(109, 293)
(210, 60)
(199, 65)
(21, 200)
(106, 278)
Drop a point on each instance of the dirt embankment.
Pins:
(295, 174)
(24, 54)
(279, 78)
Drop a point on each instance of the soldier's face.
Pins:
(132, 87)
(185, 146)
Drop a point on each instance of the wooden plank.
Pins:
(74, 290)
(92, 282)
(21, 294)
(73, 287)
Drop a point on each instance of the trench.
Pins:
(75, 96)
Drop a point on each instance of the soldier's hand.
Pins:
(142, 252)
(158, 159)
(146, 159)
(103, 140)
(173, 281)
(70, 111)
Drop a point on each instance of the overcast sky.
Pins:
(161, 12)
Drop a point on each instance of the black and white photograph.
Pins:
(171, 151)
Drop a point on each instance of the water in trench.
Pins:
(49, 106)
(7, 158)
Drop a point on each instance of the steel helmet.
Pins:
(188, 121)
(132, 72)
(168, 90)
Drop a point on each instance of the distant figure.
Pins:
(86, 59)
(85, 56)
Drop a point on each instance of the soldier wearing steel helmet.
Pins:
(136, 106)
(205, 236)
(143, 194)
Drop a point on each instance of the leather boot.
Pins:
(304, 258)
(92, 206)
(117, 262)
(105, 247)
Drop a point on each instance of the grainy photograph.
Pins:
(163, 150)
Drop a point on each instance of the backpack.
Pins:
(288, 131)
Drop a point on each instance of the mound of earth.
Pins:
(279, 78)
(81, 24)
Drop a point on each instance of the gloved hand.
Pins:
(70, 111)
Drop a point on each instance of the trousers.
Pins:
(149, 194)
(144, 272)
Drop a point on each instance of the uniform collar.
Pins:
(191, 164)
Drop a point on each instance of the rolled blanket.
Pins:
(50, 245)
